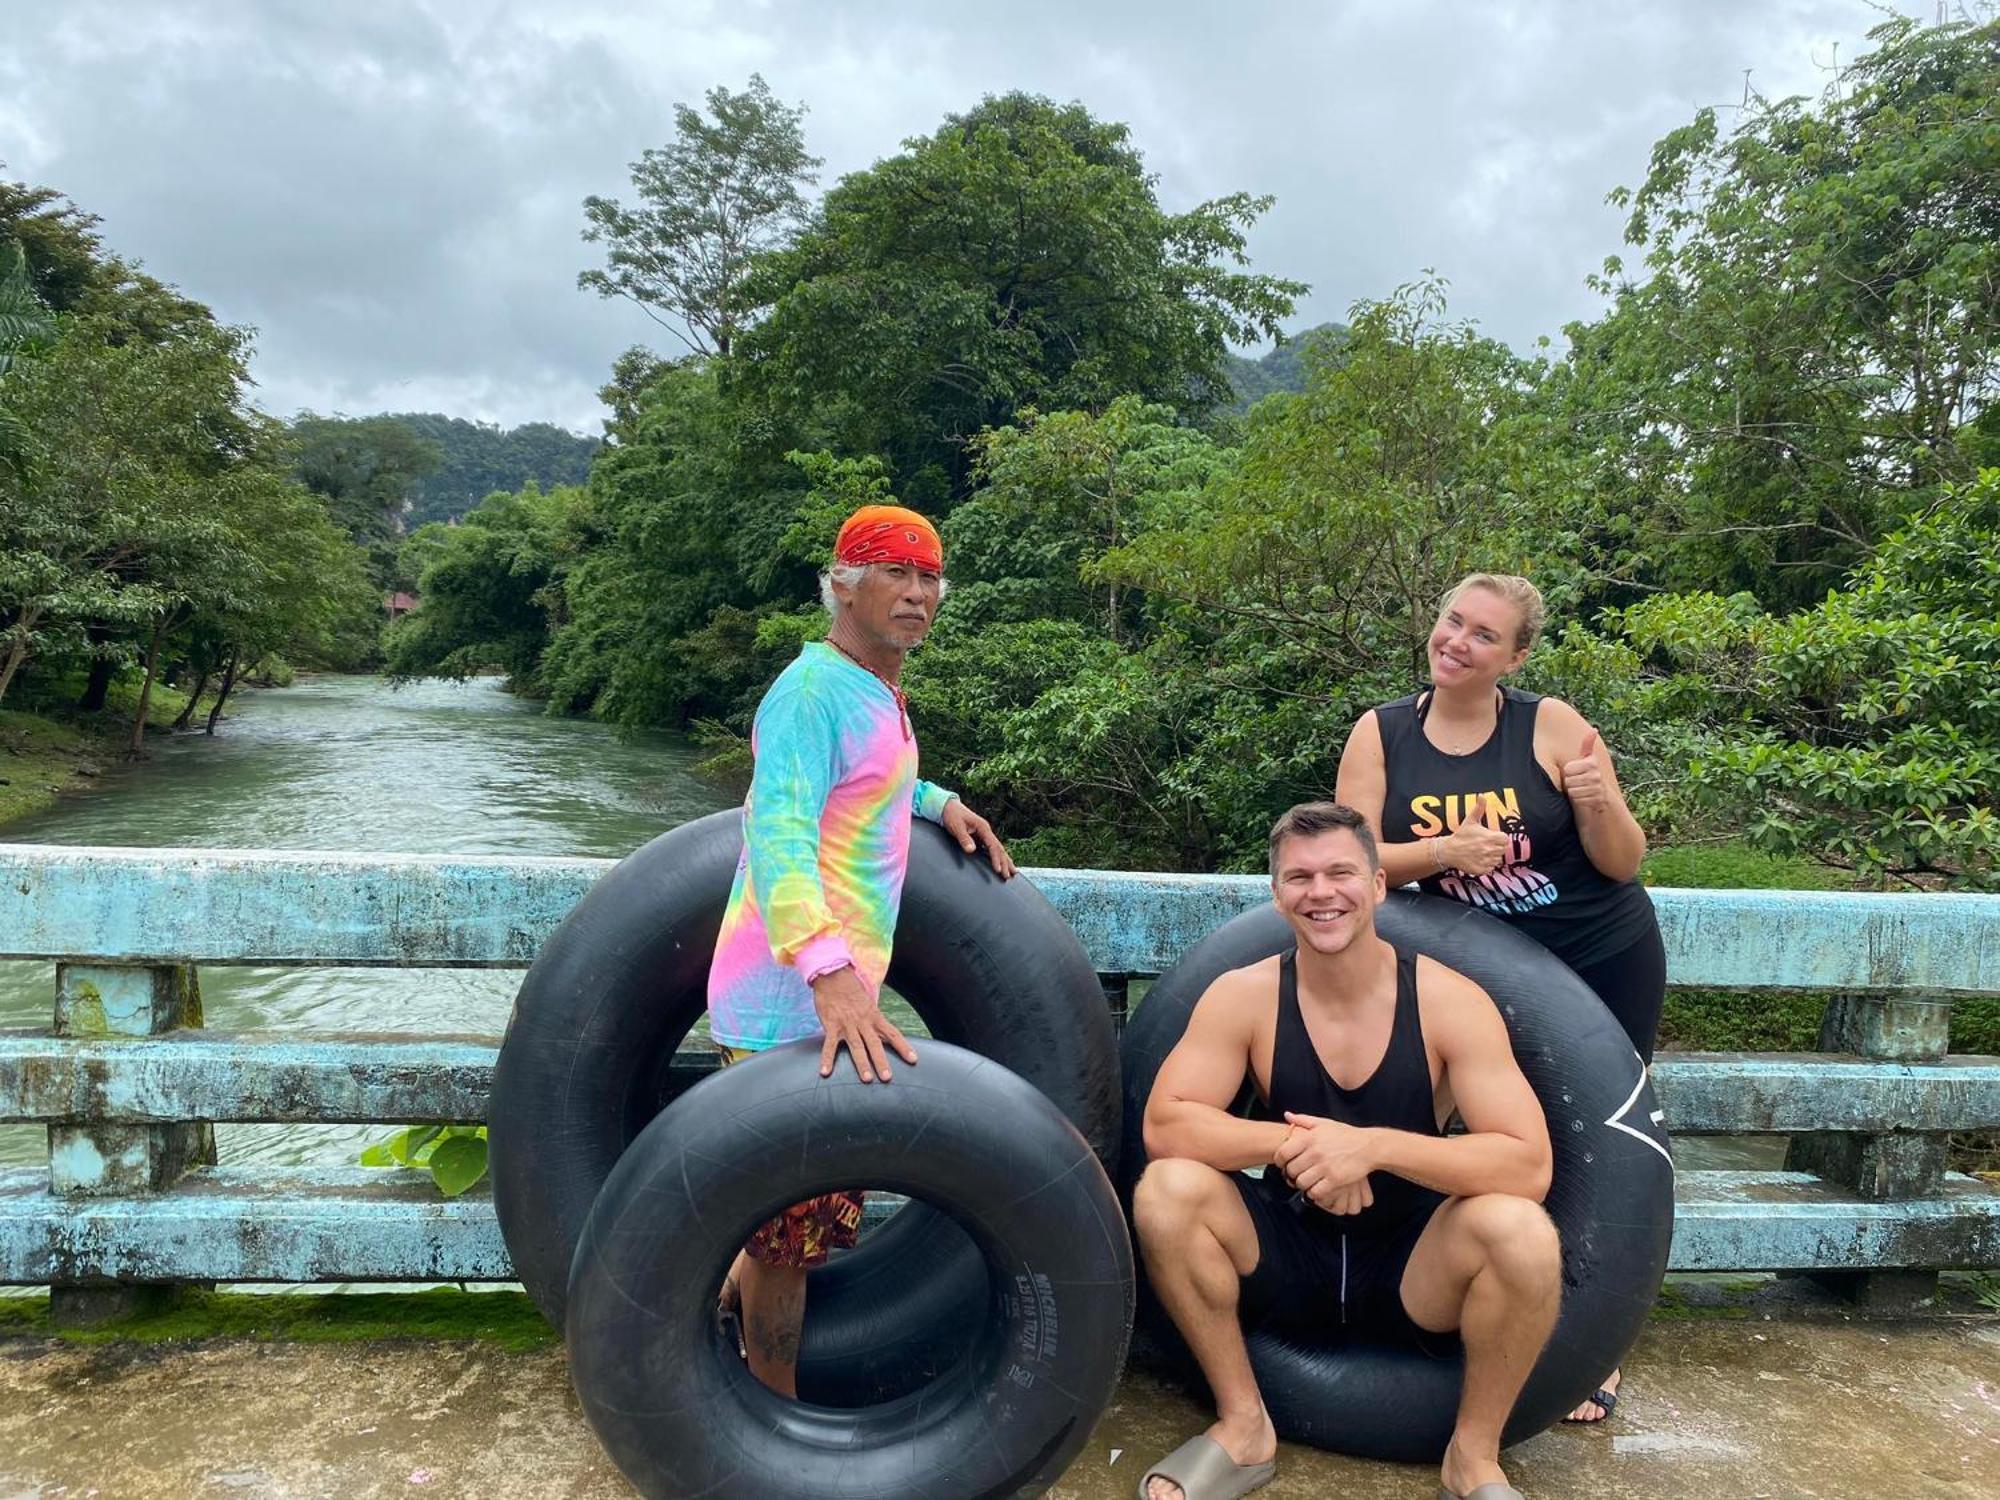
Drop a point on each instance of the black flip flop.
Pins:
(1606, 1399)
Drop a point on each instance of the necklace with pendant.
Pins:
(1456, 744)
(902, 704)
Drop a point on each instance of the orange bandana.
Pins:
(889, 534)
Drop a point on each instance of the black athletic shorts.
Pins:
(1314, 1277)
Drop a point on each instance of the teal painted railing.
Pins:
(129, 1083)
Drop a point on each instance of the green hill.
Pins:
(478, 458)
(1283, 368)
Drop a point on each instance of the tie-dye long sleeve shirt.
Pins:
(826, 840)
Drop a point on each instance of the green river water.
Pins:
(350, 763)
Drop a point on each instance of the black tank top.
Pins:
(1547, 885)
(1398, 1095)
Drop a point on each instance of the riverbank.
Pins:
(41, 759)
(47, 756)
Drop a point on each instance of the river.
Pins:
(352, 763)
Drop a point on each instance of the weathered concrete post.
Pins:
(101, 1160)
(1117, 996)
(1906, 1164)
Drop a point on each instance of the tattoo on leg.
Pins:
(776, 1319)
(780, 1346)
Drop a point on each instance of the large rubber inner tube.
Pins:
(1611, 1198)
(586, 1064)
(678, 1410)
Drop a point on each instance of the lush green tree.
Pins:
(689, 517)
(632, 375)
(1815, 327)
(1417, 453)
(145, 519)
(97, 525)
(1057, 492)
(73, 272)
(729, 187)
(366, 470)
(491, 589)
(65, 255)
(285, 582)
(1058, 700)
(1863, 731)
(1016, 258)
(151, 524)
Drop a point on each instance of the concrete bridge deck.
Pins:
(1733, 1405)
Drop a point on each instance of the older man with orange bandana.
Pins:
(805, 938)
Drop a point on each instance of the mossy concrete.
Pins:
(507, 1319)
(1722, 1408)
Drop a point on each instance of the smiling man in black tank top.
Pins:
(1368, 1216)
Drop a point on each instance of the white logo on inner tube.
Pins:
(1658, 1117)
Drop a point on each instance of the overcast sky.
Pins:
(390, 193)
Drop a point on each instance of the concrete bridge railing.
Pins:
(130, 1084)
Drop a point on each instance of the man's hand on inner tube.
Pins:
(971, 830)
(852, 1018)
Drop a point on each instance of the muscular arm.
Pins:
(1187, 1114)
(1362, 784)
(1506, 1147)
(1611, 836)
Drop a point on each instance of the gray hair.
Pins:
(849, 575)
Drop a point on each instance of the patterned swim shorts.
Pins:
(806, 1233)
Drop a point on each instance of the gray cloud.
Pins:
(391, 194)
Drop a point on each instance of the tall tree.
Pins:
(366, 469)
(1417, 450)
(73, 272)
(285, 581)
(1817, 324)
(1017, 257)
(729, 186)
(687, 524)
(1059, 490)
(65, 254)
(127, 439)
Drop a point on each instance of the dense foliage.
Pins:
(147, 517)
(1751, 488)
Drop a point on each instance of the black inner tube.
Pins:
(1611, 1198)
(588, 1062)
(679, 1411)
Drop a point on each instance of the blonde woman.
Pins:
(1507, 801)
